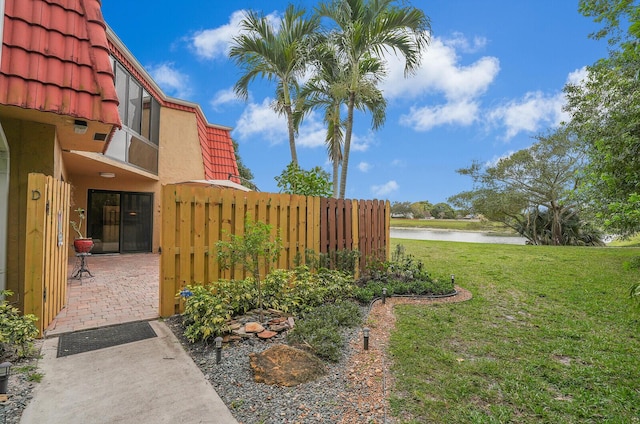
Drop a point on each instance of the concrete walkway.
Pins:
(151, 381)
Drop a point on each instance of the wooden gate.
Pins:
(46, 253)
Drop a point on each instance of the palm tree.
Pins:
(328, 89)
(275, 53)
(365, 29)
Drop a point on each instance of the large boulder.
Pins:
(285, 366)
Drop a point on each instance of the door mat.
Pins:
(100, 338)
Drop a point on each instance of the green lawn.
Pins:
(549, 337)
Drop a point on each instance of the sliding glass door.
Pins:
(120, 222)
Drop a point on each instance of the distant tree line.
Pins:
(424, 210)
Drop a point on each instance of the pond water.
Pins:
(462, 236)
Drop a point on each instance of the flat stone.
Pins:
(228, 338)
(242, 333)
(291, 322)
(253, 327)
(285, 366)
(234, 326)
(279, 327)
(267, 334)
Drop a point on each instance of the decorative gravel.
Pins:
(325, 400)
(19, 388)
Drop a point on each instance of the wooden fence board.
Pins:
(195, 219)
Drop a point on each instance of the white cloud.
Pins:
(384, 189)
(364, 166)
(173, 82)
(578, 76)
(399, 163)
(459, 41)
(312, 133)
(442, 73)
(214, 43)
(223, 97)
(260, 120)
(532, 113)
(428, 117)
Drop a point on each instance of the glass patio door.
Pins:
(120, 222)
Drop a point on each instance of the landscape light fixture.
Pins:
(5, 370)
(365, 332)
(384, 295)
(218, 341)
(453, 279)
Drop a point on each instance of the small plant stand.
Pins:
(81, 266)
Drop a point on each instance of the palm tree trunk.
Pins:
(292, 136)
(347, 143)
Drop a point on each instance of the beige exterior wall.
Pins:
(180, 151)
(32, 148)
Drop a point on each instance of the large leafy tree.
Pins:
(277, 53)
(605, 111)
(366, 29)
(532, 185)
(328, 90)
(245, 174)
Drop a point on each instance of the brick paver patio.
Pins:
(124, 288)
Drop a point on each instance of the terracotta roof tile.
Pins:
(55, 58)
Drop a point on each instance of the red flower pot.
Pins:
(83, 245)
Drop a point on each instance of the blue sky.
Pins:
(491, 79)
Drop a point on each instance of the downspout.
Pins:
(4, 206)
(4, 178)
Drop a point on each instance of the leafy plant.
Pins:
(320, 329)
(295, 180)
(251, 250)
(17, 331)
(299, 290)
(205, 314)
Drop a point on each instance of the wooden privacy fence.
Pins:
(195, 218)
(46, 253)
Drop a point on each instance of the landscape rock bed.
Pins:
(329, 399)
(19, 388)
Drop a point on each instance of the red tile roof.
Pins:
(55, 58)
(217, 147)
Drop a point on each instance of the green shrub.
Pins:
(403, 275)
(16, 331)
(320, 329)
(296, 291)
(205, 314)
(240, 295)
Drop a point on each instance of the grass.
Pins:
(630, 242)
(550, 336)
(30, 370)
(452, 224)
